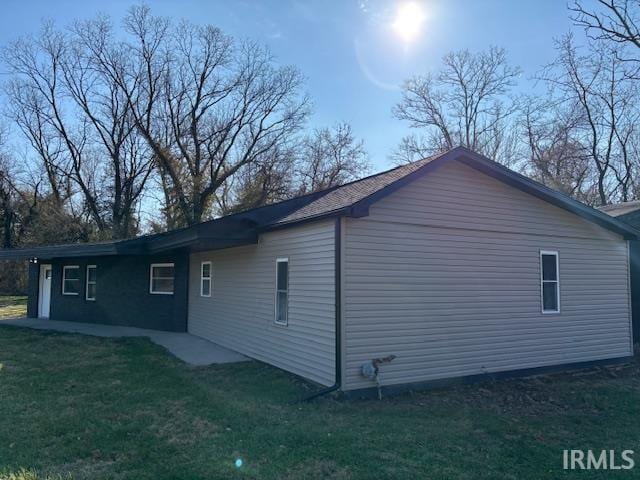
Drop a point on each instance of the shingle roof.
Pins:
(351, 199)
(235, 229)
(350, 193)
(619, 209)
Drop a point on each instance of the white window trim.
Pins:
(154, 265)
(557, 281)
(275, 306)
(64, 277)
(87, 282)
(203, 278)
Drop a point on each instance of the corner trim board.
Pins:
(337, 241)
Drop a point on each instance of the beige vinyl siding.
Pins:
(240, 312)
(445, 274)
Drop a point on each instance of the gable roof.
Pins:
(620, 209)
(350, 193)
(559, 199)
(351, 199)
(628, 212)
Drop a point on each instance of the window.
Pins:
(282, 290)
(71, 280)
(549, 282)
(91, 282)
(205, 279)
(161, 282)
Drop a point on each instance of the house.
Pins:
(452, 267)
(629, 212)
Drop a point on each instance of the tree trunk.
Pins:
(7, 234)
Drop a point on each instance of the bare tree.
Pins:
(8, 203)
(32, 103)
(81, 127)
(595, 87)
(267, 180)
(30, 214)
(206, 105)
(554, 155)
(322, 159)
(17, 202)
(617, 21)
(465, 103)
(129, 161)
(329, 157)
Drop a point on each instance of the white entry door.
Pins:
(44, 295)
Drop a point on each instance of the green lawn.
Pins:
(13, 307)
(73, 406)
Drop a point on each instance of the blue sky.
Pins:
(352, 58)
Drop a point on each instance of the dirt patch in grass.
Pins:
(181, 427)
(24, 474)
(12, 307)
(318, 470)
(95, 466)
(537, 396)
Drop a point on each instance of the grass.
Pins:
(82, 407)
(13, 307)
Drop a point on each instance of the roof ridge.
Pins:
(329, 189)
(351, 198)
(319, 193)
(551, 194)
(350, 193)
(619, 204)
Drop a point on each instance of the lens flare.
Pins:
(408, 21)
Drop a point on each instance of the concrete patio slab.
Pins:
(188, 348)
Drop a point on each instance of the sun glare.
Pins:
(408, 21)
